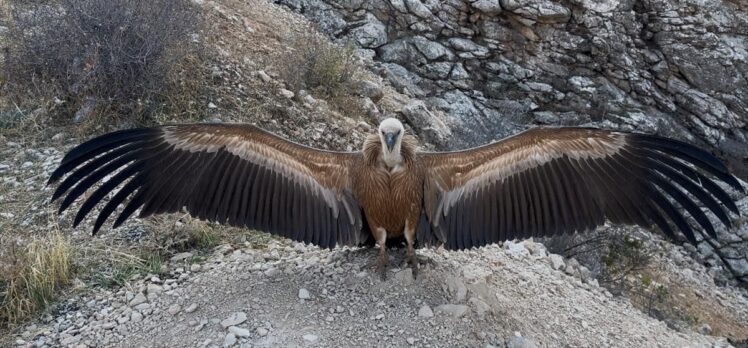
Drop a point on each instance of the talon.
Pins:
(413, 263)
(381, 266)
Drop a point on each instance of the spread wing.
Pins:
(228, 173)
(549, 181)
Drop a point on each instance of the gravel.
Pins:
(304, 294)
(425, 312)
(524, 302)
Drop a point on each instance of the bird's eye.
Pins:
(398, 132)
(382, 132)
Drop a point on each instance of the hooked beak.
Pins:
(390, 139)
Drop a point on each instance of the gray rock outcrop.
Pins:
(489, 68)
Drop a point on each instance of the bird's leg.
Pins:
(410, 254)
(380, 235)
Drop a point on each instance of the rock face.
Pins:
(486, 69)
(481, 70)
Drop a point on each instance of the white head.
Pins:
(391, 133)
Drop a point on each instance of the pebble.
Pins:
(174, 309)
(136, 317)
(286, 93)
(154, 289)
(310, 338)
(513, 248)
(239, 331)
(235, 318)
(138, 299)
(195, 268)
(272, 272)
(264, 76)
(557, 261)
(454, 310)
(229, 340)
(304, 294)
(261, 331)
(425, 312)
(309, 99)
(191, 308)
(520, 342)
(212, 106)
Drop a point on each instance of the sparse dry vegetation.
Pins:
(625, 265)
(114, 268)
(31, 275)
(101, 60)
(315, 64)
(625, 256)
(325, 69)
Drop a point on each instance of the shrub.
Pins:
(611, 254)
(625, 256)
(30, 275)
(97, 56)
(315, 64)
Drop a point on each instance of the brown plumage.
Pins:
(542, 182)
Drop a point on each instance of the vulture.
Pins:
(542, 182)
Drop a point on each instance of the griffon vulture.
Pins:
(542, 182)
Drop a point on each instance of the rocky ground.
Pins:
(290, 294)
(279, 293)
(260, 291)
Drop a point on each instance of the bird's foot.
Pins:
(381, 266)
(413, 262)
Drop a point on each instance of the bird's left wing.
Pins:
(549, 181)
(229, 173)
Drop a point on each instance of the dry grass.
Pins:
(31, 275)
(109, 267)
(656, 291)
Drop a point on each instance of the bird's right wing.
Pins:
(230, 173)
(549, 181)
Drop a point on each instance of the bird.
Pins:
(542, 182)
